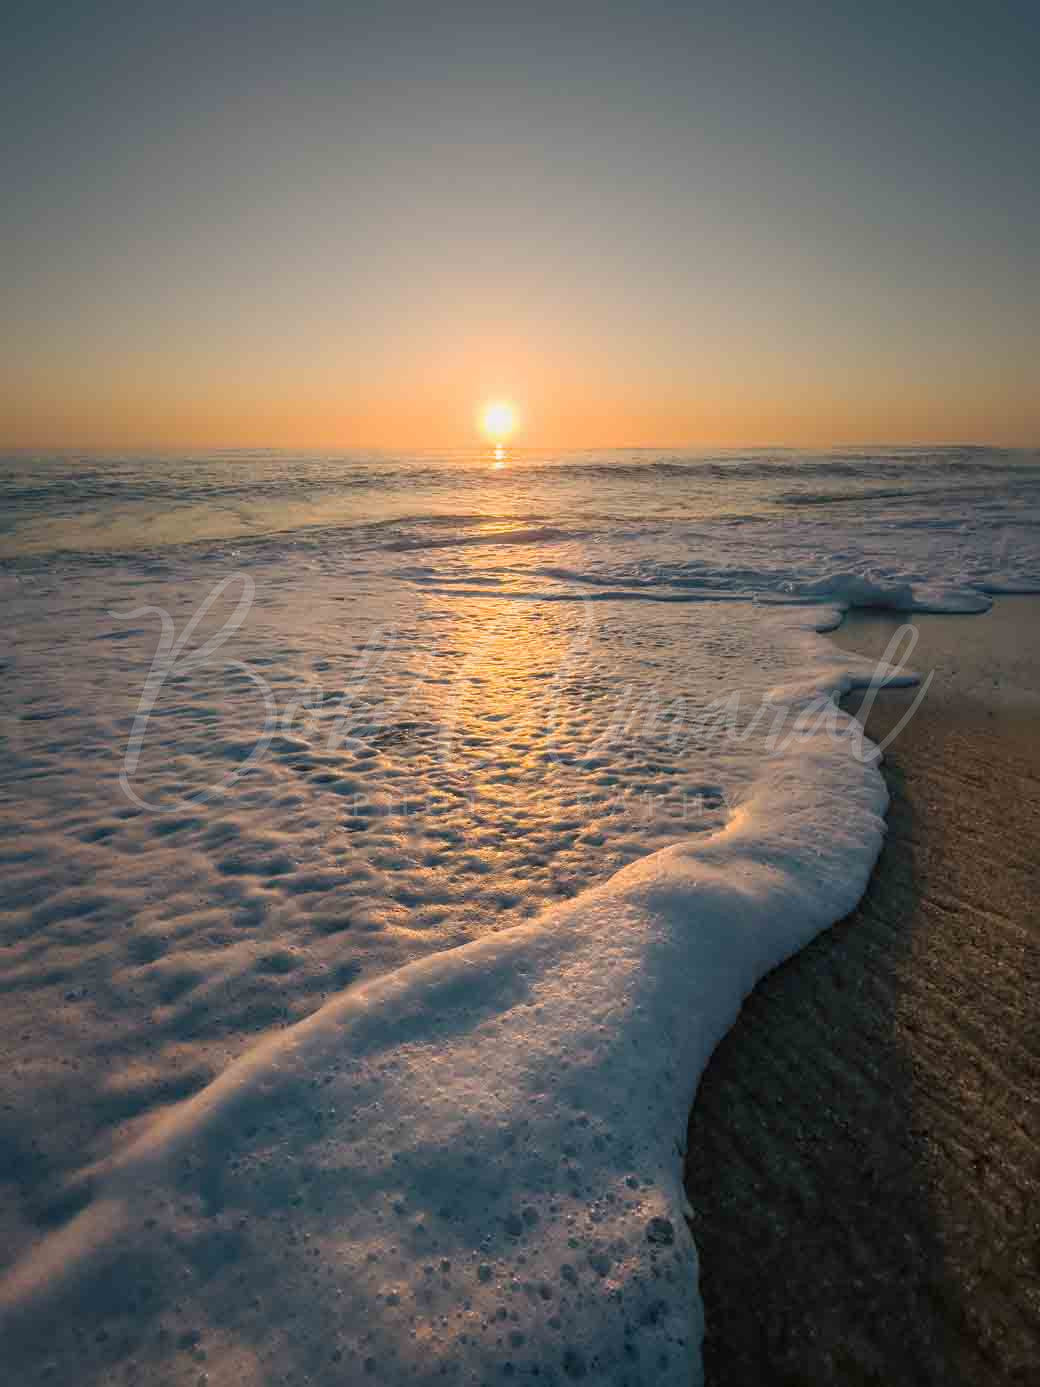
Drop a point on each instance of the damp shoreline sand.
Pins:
(864, 1164)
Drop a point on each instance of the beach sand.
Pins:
(865, 1145)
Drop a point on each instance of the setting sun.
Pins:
(498, 420)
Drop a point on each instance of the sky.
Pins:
(350, 226)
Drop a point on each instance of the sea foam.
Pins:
(470, 1167)
(466, 1164)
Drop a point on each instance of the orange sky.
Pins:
(347, 227)
(575, 415)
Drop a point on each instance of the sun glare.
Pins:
(498, 420)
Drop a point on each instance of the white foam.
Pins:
(495, 1130)
(467, 1165)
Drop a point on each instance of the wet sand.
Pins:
(865, 1145)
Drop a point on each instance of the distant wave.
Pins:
(516, 535)
(243, 506)
(1025, 487)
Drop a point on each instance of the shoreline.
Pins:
(250, 1180)
(349, 1168)
(860, 1160)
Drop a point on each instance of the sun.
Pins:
(498, 420)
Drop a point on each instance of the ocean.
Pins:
(386, 844)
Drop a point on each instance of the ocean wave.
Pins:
(486, 535)
(939, 491)
(125, 507)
